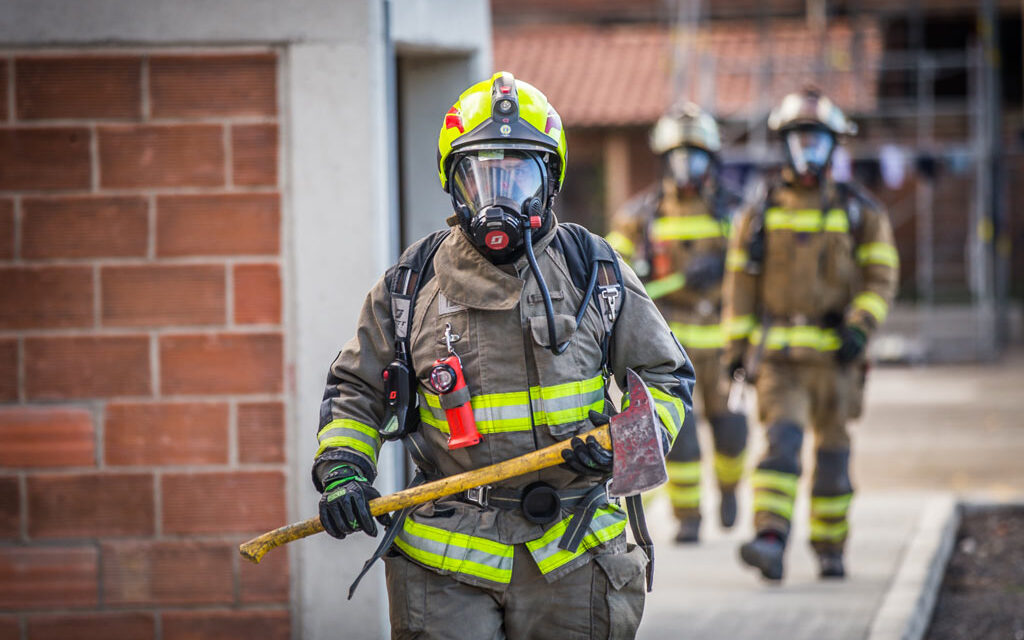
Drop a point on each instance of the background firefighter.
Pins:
(675, 235)
(811, 273)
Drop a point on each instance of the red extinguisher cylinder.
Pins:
(447, 378)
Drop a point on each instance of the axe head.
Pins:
(638, 464)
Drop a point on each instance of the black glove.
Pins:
(704, 271)
(852, 345)
(589, 458)
(736, 364)
(345, 503)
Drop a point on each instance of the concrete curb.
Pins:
(907, 607)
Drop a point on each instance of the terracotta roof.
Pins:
(622, 75)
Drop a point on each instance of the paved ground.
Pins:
(927, 429)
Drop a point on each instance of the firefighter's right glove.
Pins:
(589, 458)
(735, 366)
(345, 503)
(704, 271)
(852, 344)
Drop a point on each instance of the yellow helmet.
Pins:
(685, 125)
(502, 113)
(810, 108)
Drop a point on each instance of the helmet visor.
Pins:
(689, 166)
(489, 176)
(809, 149)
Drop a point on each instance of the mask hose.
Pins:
(549, 309)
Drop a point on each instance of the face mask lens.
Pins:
(488, 177)
(809, 149)
(689, 165)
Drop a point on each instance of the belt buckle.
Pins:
(478, 495)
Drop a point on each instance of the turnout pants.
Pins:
(790, 396)
(602, 599)
(729, 431)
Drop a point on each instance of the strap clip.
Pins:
(478, 495)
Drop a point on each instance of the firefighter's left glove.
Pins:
(852, 343)
(345, 503)
(704, 271)
(588, 457)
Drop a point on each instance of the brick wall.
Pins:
(141, 345)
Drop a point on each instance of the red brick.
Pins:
(10, 629)
(48, 577)
(226, 625)
(239, 85)
(167, 573)
(3, 90)
(218, 225)
(78, 87)
(51, 158)
(46, 437)
(6, 229)
(84, 227)
(221, 363)
(241, 501)
(161, 156)
(261, 432)
(254, 154)
(164, 433)
(134, 625)
(45, 297)
(266, 582)
(87, 505)
(257, 294)
(10, 508)
(8, 369)
(139, 296)
(86, 367)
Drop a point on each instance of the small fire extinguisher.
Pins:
(447, 379)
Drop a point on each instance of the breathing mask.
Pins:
(809, 151)
(689, 167)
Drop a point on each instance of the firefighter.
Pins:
(536, 315)
(676, 234)
(810, 274)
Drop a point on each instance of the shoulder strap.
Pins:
(413, 269)
(853, 199)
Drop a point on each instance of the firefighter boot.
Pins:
(727, 508)
(830, 565)
(765, 553)
(689, 530)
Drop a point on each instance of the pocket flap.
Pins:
(622, 568)
(565, 328)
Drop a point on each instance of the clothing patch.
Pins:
(446, 307)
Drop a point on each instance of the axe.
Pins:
(638, 465)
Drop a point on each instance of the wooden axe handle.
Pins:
(256, 548)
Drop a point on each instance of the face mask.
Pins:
(497, 194)
(689, 167)
(809, 150)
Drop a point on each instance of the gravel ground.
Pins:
(982, 594)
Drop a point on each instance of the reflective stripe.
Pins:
(664, 286)
(872, 303)
(344, 432)
(828, 531)
(806, 336)
(608, 523)
(351, 443)
(776, 480)
(684, 497)
(670, 409)
(687, 228)
(736, 260)
(621, 243)
(831, 506)
(741, 326)
(456, 552)
(806, 220)
(773, 502)
(567, 402)
(881, 253)
(729, 469)
(683, 472)
(699, 336)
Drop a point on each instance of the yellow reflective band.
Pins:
(663, 401)
(736, 260)
(741, 326)
(482, 548)
(567, 389)
(687, 228)
(806, 220)
(773, 502)
(591, 540)
(446, 537)
(806, 336)
(872, 303)
(729, 469)
(576, 414)
(831, 506)
(683, 472)
(776, 480)
(699, 336)
(881, 253)
(621, 243)
(828, 531)
(664, 286)
(351, 443)
(684, 497)
(345, 423)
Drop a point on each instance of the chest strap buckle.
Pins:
(478, 495)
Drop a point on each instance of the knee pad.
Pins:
(832, 473)
(686, 448)
(730, 433)
(784, 442)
